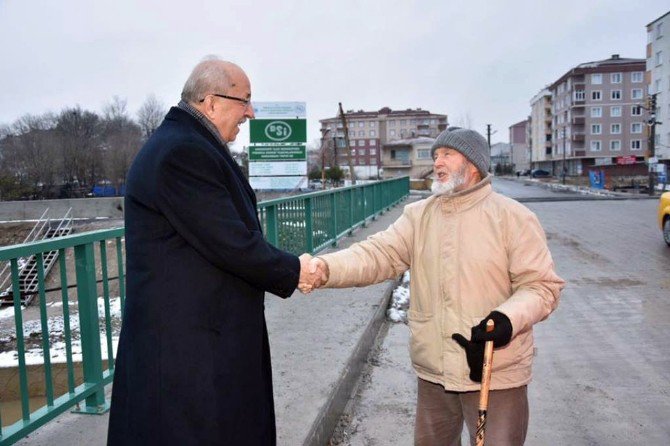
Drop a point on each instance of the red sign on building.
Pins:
(625, 160)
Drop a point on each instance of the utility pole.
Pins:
(488, 139)
(348, 146)
(563, 169)
(652, 142)
(323, 157)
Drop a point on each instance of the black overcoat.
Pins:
(193, 363)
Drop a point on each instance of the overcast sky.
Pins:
(476, 61)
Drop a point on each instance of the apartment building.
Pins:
(370, 130)
(520, 150)
(541, 149)
(408, 157)
(658, 80)
(598, 117)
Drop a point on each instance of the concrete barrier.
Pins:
(103, 207)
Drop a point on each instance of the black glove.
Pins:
(474, 349)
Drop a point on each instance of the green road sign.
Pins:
(264, 153)
(277, 131)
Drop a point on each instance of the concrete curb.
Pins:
(326, 421)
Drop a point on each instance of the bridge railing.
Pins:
(61, 354)
(70, 357)
(311, 222)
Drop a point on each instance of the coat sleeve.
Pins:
(382, 256)
(535, 285)
(195, 197)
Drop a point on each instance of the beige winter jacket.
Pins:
(469, 254)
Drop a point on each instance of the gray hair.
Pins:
(212, 75)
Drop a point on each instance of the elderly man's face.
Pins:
(229, 114)
(453, 172)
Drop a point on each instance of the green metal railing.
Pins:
(90, 388)
(304, 223)
(311, 222)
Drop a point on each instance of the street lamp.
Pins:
(563, 170)
(323, 157)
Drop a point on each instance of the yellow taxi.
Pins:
(664, 216)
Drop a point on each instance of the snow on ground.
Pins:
(56, 324)
(399, 304)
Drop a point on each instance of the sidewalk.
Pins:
(319, 345)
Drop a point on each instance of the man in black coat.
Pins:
(193, 363)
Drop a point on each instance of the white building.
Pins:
(658, 79)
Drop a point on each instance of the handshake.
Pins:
(313, 273)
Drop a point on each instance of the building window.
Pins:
(636, 127)
(615, 111)
(423, 154)
(596, 79)
(615, 145)
(635, 144)
(657, 86)
(352, 125)
(353, 152)
(412, 122)
(373, 123)
(392, 123)
(615, 78)
(579, 95)
(615, 129)
(595, 146)
(433, 122)
(596, 95)
(636, 93)
(361, 143)
(659, 57)
(596, 112)
(373, 142)
(596, 129)
(361, 133)
(392, 132)
(373, 151)
(373, 133)
(636, 110)
(403, 122)
(615, 95)
(636, 76)
(659, 30)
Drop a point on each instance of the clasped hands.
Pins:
(313, 273)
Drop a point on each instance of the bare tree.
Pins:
(80, 146)
(121, 138)
(150, 115)
(464, 121)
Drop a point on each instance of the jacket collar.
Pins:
(467, 198)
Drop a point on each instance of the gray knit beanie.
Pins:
(469, 143)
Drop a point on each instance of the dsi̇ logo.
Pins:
(278, 131)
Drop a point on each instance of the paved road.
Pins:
(602, 373)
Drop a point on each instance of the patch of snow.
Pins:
(397, 311)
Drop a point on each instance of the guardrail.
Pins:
(304, 223)
(90, 388)
(311, 222)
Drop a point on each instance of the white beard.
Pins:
(455, 180)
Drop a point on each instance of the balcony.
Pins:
(578, 137)
(396, 163)
(578, 120)
(580, 152)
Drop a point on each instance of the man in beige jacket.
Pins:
(473, 255)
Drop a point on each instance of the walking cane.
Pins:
(486, 383)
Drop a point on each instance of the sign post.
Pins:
(277, 146)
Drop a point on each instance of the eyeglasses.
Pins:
(246, 102)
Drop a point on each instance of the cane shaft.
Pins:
(486, 385)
